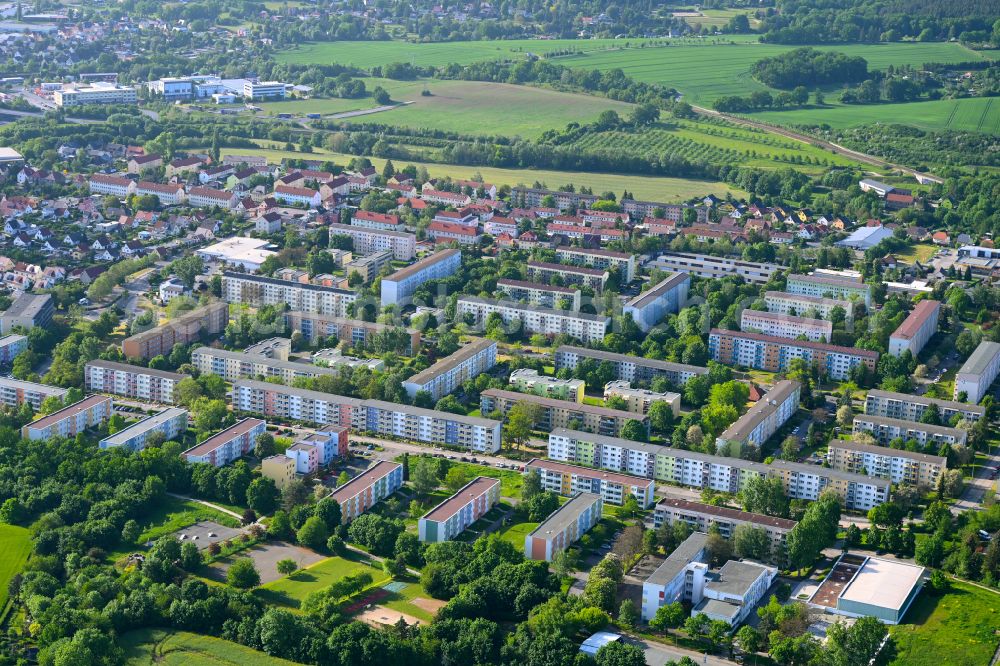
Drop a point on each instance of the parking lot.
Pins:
(265, 557)
(206, 532)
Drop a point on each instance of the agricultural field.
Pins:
(16, 547)
(166, 647)
(291, 590)
(713, 18)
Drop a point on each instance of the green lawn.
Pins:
(292, 590)
(516, 533)
(921, 252)
(510, 481)
(167, 647)
(171, 515)
(957, 629)
(16, 546)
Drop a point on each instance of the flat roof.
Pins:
(604, 475)
(565, 515)
(433, 259)
(910, 425)
(218, 439)
(349, 229)
(445, 364)
(851, 445)
(305, 368)
(817, 300)
(300, 392)
(470, 491)
(829, 280)
(285, 283)
(642, 300)
(66, 412)
(883, 583)
(785, 342)
(597, 252)
(147, 423)
(27, 305)
(816, 470)
(567, 268)
(736, 577)
(514, 305)
(981, 358)
(717, 608)
(138, 369)
(9, 154)
(680, 558)
(431, 413)
(377, 471)
(11, 339)
(554, 403)
(763, 408)
(536, 285)
(730, 514)
(666, 366)
(924, 400)
(624, 387)
(791, 319)
(22, 385)
(911, 325)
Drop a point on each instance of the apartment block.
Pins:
(667, 297)
(639, 400)
(562, 413)
(15, 392)
(536, 293)
(172, 422)
(257, 291)
(707, 266)
(701, 517)
(368, 489)
(10, 346)
(979, 372)
(765, 352)
(786, 326)
(131, 381)
(542, 271)
(612, 488)
(527, 380)
(535, 319)
(762, 420)
(368, 267)
(885, 430)
(354, 332)
(528, 197)
(806, 482)
(185, 329)
(431, 426)
(370, 220)
(679, 578)
(232, 365)
(895, 465)
(451, 517)
(450, 372)
(306, 458)
(635, 369)
(829, 286)
(398, 288)
(286, 402)
(117, 186)
(671, 212)
(27, 310)
(599, 258)
(279, 468)
(330, 442)
(908, 407)
(91, 412)
(780, 302)
(563, 528)
(369, 241)
(231, 444)
(917, 329)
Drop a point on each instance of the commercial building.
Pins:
(131, 381)
(613, 488)
(432, 426)
(860, 586)
(542, 271)
(915, 331)
(667, 297)
(780, 302)
(599, 258)
(246, 253)
(885, 430)
(762, 420)
(707, 266)
(680, 577)
(257, 291)
(91, 412)
(857, 492)
(911, 407)
(451, 517)
(978, 372)
(897, 465)
(171, 422)
(96, 92)
(561, 413)
(353, 332)
(830, 287)
(786, 326)
(534, 319)
(369, 266)
(702, 517)
(279, 468)
(368, 489)
(10, 346)
(398, 288)
(450, 372)
(527, 380)
(231, 365)
(15, 392)
(536, 293)
(563, 528)
(185, 329)
(765, 352)
(635, 369)
(639, 400)
(366, 240)
(27, 311)
(232, 443)
(734, 591)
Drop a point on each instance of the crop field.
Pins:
(16, 546)
(167, 647)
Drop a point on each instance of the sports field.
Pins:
(167, 647)
(16, 546)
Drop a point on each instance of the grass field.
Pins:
(16, 546)
(291, 590)
(171, 515)
(515, 533)
(403, 601)
(653, 188)
(921, 252)
(167, 647)
(957, 629)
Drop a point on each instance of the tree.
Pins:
(425, 476)
(618, 653)
(280, 526)
(668, 617)
(286, 566)
(633, 430)
(765, 495)
(190, 557)
(328, 510)
(209, 414)
(719, 549)
(262, 496)
(845, 415)
(751, 542)
(313, 533)
(748, 639)
(187, 391)
(263, 446)
(243, 574)
(661, 416)
(456, 478)
(520, 420)
(628, 614)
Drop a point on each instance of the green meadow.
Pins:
(16, 547)
(167, 647)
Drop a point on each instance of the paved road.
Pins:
(978, 486)
(658, 654)
(367, 112)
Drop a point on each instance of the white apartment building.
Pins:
(291, 194)
(527, 380)
(885, 430)
(857, 492)
(600, 258)
(168, 195)
(256, 291)
(919, 327)
(432, 426)
(452, 371)
(680, 577)
(536, 293)
(399, 287)
(172, 422)
(534, 319)
(762, 420)
(91, 412)
(15, 392)
(206, 197)
(96, 92)
(667, 297)
(232, 443)
(118, 186)
(979, 372)
(369, 240)
(786, 326)
(707, 266)
(829, 286)
(131, 381)
(264, 90)
(780, 302)
(569, 480)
